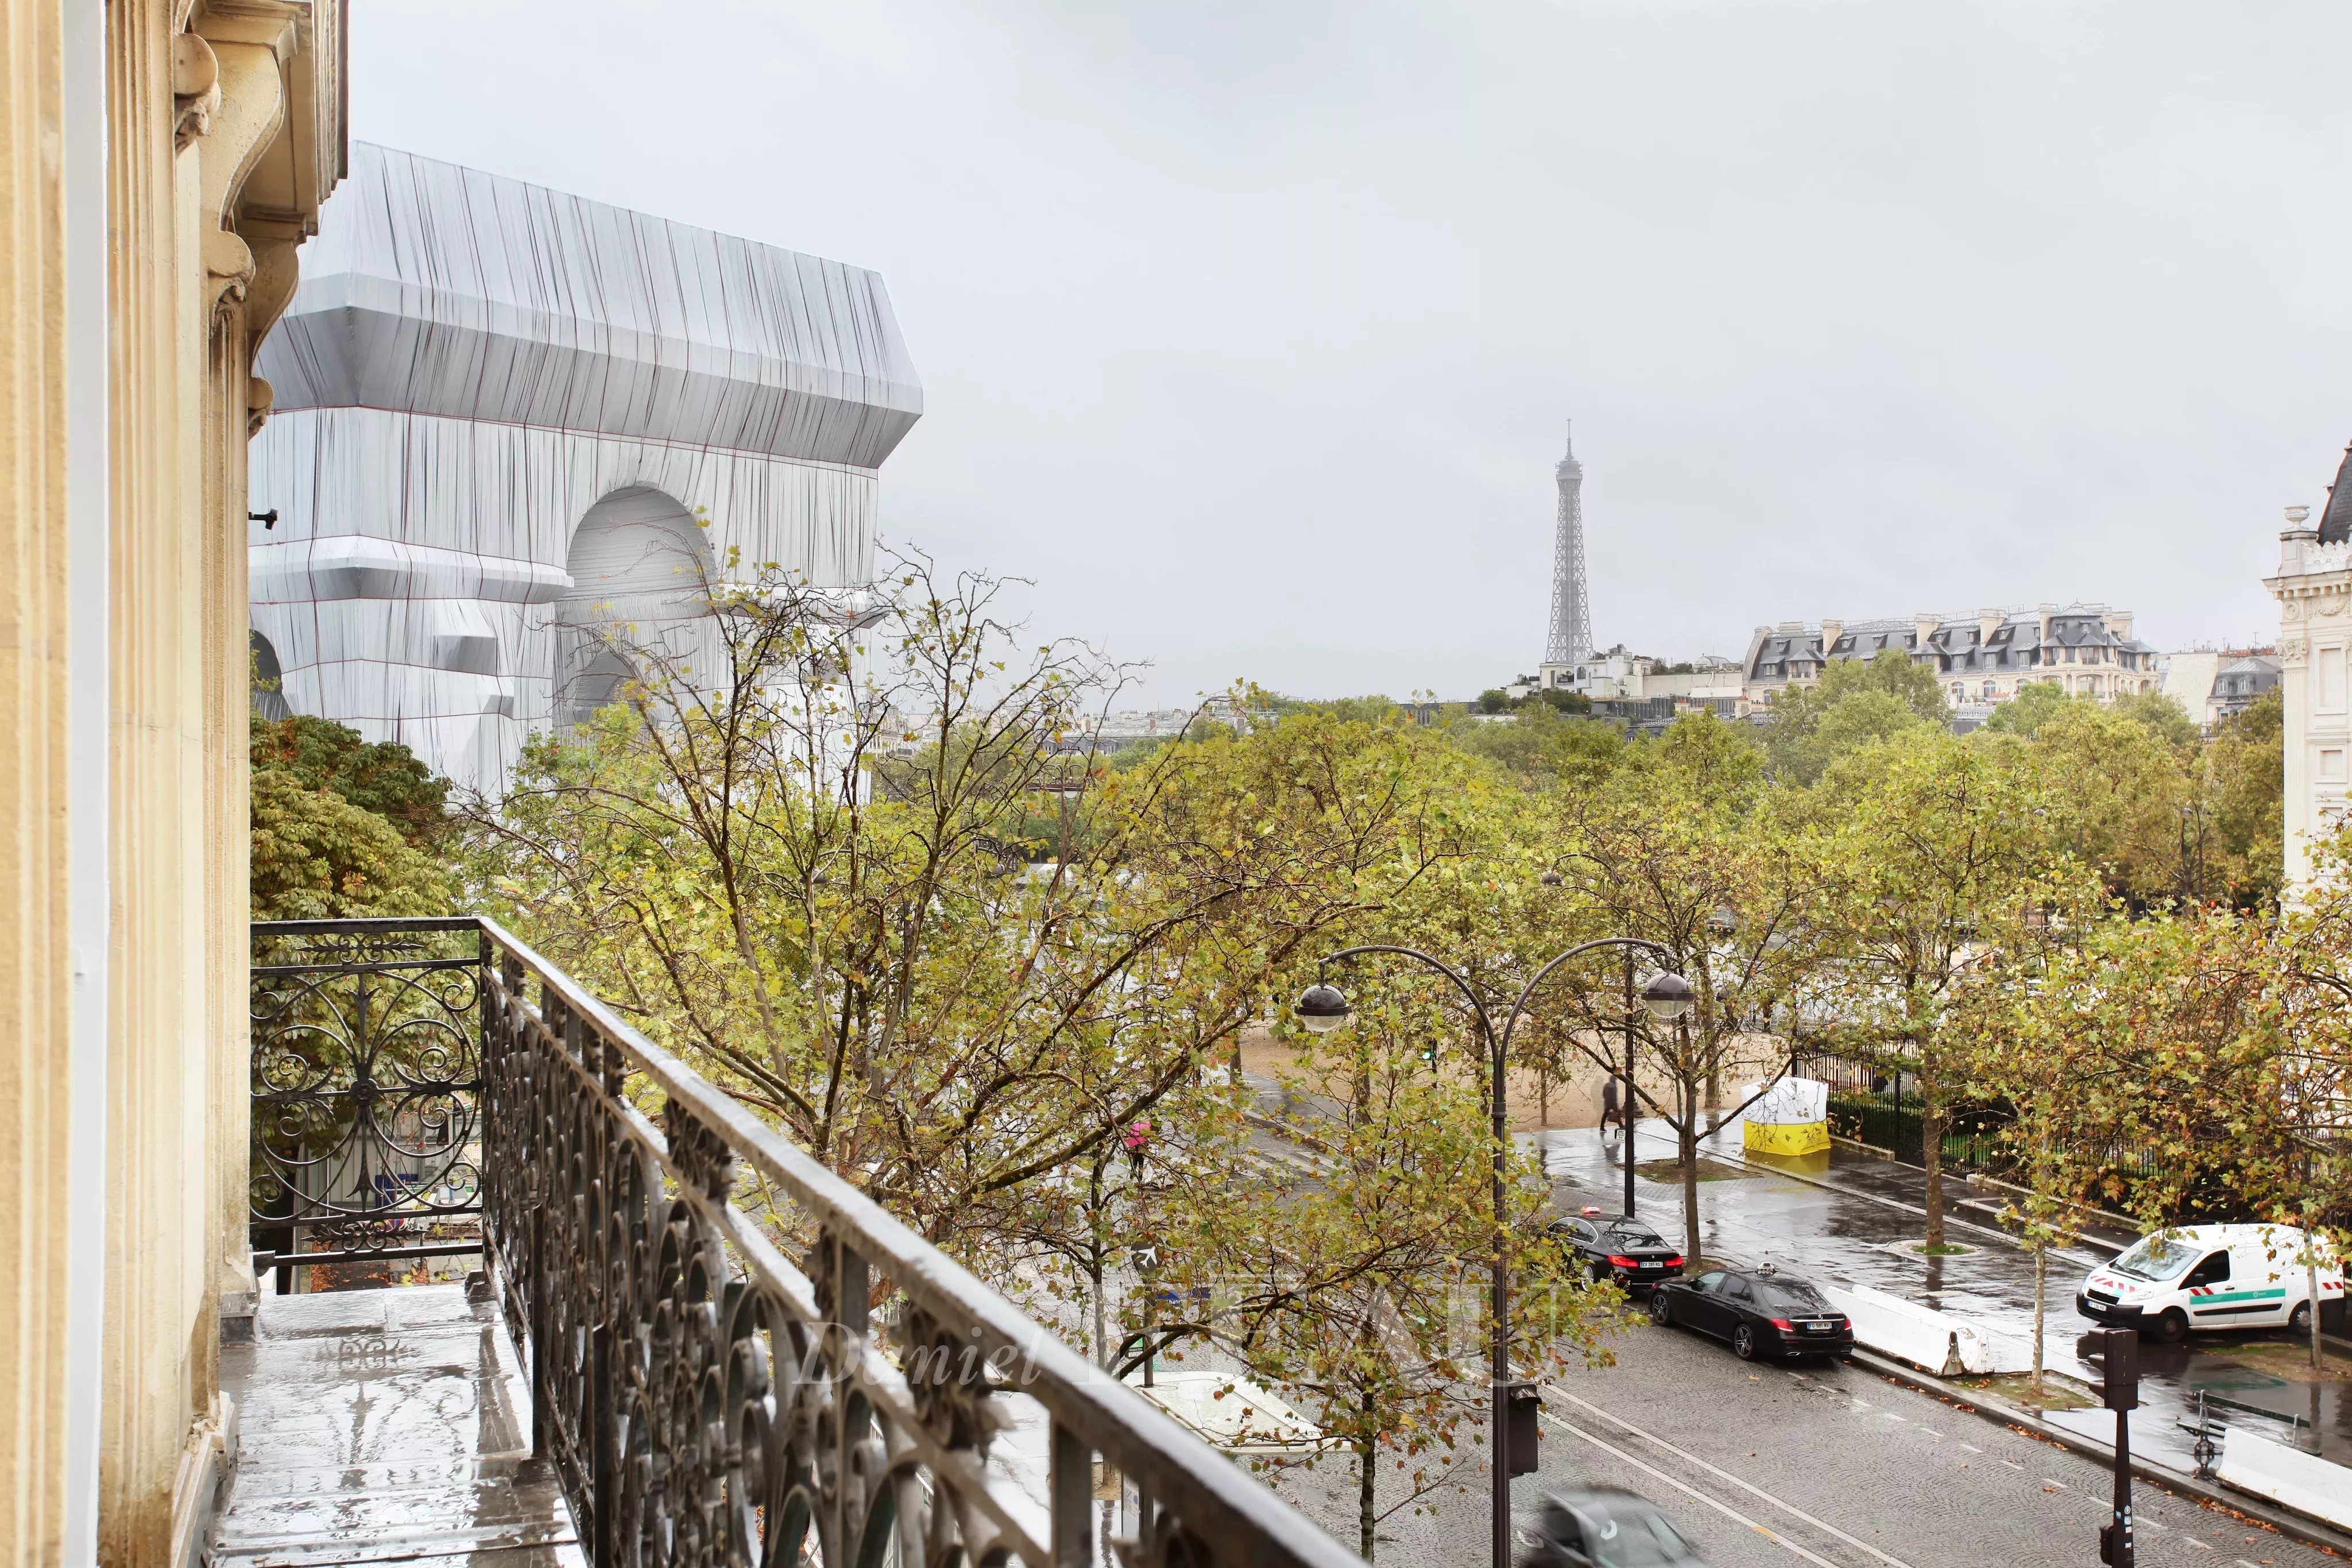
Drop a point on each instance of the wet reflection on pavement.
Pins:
(382, 1425)
(1863, 1228)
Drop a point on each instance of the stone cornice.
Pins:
(2309, 585)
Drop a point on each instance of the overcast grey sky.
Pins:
(1248, 327)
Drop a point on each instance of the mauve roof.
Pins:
(2335, 522)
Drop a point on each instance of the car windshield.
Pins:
(1790, 1296)
(2156, 1258)
(1635, 1236)
(1636, 1538)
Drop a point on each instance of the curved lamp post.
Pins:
(1322, 1007)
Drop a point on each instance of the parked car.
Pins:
(2202, 1276)
(1622, 1250)
(1759, 1312)
(1602, 1527)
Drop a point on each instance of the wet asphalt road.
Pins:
(1862, 1235)
(1832, 1466)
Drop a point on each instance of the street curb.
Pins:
(1975, 1402)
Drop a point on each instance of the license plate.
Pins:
(1820, 1328)
(1653, 1265)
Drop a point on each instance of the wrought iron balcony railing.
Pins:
(428, 1087)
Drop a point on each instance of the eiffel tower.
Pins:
(1572, 617)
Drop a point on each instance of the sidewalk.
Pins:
(1857, 1222)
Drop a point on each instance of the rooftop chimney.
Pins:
(1924, 628)
(1988, 622)
(1831, 632)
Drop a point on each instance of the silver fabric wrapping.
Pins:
(472, 367)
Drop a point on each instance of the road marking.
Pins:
(1971, 1448)
(1785, 1507)
(2061, 1485)
(1697, 1496)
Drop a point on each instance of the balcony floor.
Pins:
(384, 1426)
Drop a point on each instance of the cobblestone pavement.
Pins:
(1836, 1467)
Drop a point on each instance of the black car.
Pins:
(1602, 1527)
(1760, 1311)
(1622, 1250)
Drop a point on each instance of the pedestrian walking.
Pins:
(1609, 1116)
(1139, 1133)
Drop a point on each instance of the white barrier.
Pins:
(2289, 1476)
(1931, 1341)
(1230, 1412)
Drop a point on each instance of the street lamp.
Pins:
(1323, 1008)
(1667, 997)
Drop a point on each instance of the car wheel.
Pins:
(1743, 1342)
(1597, 1272)
(1660, 1311)
(2299, 1320)
(2172, 1326)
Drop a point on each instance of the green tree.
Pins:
(342, 828)
(2030, 1027)
(803, 868)
(2240, 799)
(1360, 1287)
(1539, 747)
(1687, 848)
(1857, 703)
(2034, 704)
(2159, 713)
(1937, 838)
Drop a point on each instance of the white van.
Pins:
(2211, 1277)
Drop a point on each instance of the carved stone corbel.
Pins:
(229, 266)
(275, 273)
(196, 88)
(249, 95)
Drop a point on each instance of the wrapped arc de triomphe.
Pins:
(505, 416)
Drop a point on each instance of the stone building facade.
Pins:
(2087, 650)
(2313, 588)
(160, 161)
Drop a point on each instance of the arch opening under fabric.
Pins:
(268, 678)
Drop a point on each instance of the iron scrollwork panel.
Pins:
(366, 1079)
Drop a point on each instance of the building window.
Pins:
(2331, 680)
(1988, 690)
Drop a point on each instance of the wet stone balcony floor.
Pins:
(384, 1426)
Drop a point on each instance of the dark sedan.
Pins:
(1602, 1527)
(1625, 1250)
(1760, 1311)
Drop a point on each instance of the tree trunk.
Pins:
(1102, 1330)
(2311, 1273)
(1688, 1133)
(2041, 1308)
(1931, 1156)
(1367, 1512)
